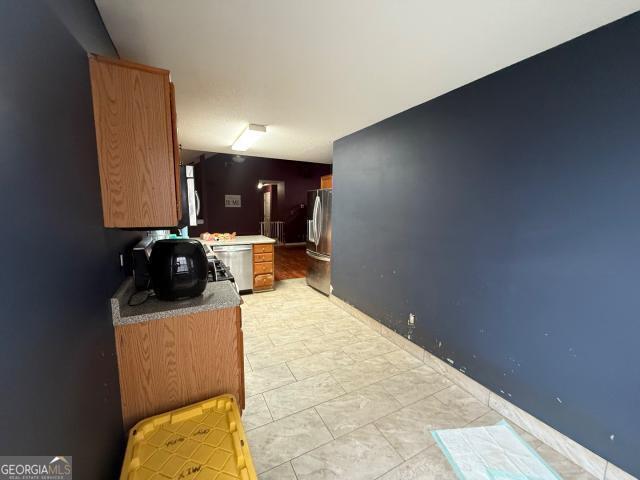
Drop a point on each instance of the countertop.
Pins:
(216, 296)
(239, 240)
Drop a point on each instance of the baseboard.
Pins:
(293, 244)
(578, 454)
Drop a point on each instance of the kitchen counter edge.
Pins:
(239, 240)
(216, 296)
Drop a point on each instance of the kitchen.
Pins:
(182, 285)
(423, 245)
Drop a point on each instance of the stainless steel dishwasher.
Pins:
(239, 259)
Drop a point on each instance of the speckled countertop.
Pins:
(216, 296)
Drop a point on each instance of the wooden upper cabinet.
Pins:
(176, 149)
(134, 112)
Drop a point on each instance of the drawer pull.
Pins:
(263, 257)
(264, 267)
(263, 280)
(263, 248)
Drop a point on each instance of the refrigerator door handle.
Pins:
(319, 234)
(310, 231)
(316, 234)
(317, 256)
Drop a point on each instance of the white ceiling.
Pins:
(316, 70)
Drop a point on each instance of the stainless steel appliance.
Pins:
(239, 260)
(319, 239)
(190, 200)
(141, 254)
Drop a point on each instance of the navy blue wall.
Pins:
(58, 371)
(504, 215)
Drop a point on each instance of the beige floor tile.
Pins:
(261, 330)
(462, 403)
(363, 331)
(343, 324)
(430, 464)
(259, 381)
(330, 341)
(409, 429)
(280, 441)
(297, 331)
(283, 472)
(301, 321)
(256, 343)
(256, 413)
(413, 385)
(614, 472)
(361, 455)
(402, 360)
(292, 335)
(301, 395)
(361, 374)
(402, 342)
(353, 410)
(490, 418)
(320, 362)
(493, 418)
(480, 392)
(277, 354)
(561, 464)
(369, 348)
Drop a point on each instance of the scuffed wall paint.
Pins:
(502, 215)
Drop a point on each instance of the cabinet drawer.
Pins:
(263, 257)
(263, 248)
(261, 281)
(263, 267)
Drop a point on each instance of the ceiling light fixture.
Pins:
(247, 138)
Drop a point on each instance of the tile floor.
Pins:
(329, 398)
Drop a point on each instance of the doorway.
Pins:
(266, 204)
(271, 225)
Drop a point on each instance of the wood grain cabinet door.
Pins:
(135, 140)
(326, 181)
(170, 363)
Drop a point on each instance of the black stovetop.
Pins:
(218, 271)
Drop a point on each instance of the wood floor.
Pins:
(291, 262)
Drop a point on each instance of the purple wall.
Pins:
(223, 174)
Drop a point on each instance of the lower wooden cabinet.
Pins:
(263, 267)
(169, 363)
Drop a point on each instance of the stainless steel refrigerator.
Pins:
(319, 239)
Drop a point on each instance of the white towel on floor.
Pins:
(492, 453)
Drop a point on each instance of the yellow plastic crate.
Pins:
(204, 441)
